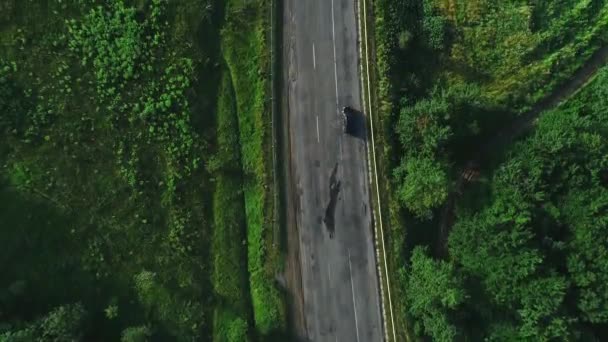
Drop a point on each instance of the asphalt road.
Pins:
(330, 185)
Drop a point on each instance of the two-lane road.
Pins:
(329, 173)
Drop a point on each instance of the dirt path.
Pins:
(520, 126)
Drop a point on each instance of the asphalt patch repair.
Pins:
(330, 211)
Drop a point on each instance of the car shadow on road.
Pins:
(355, 124)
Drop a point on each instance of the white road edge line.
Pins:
(314, 57)
(388, 285)
(318, 138)
(352, 285)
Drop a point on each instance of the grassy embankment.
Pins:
(231, 284)
(245, 51)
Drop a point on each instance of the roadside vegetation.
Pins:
(523, 249)
(246, 51)
(135, 197)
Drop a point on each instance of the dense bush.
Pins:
(101, 161)
(424, 185)
(535, 250)
(11, 100)
(64, 323)
(451, 75)
(132, 187)
(435, 289)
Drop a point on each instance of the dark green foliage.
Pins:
(497, 242)
(136, 334)
(423, 185)
(423, 128)
(537, 252)
(181, 316)
(123, 180)
(237, 331)
(527, 241)
(112, 41)
(11, 99)
(245, 50)
(587, 213)
(433, 27)
(435, 290)
(430, 133)
(229, 236)
(62, 324)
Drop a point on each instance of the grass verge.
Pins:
(230, 283)
(381, 100)
(245, 50)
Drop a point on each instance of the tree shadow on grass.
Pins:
(39, 252)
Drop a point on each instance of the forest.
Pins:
(494, 129)
(135, 197)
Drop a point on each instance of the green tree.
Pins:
(237, 331)
(433, 27)
(423, 185)
(422, 128)
(180, 316)
(140, 333)
(435, 291)
(63, 324)
(12, 111)
(495, 245)
(587, 213)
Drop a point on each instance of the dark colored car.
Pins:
(347, 113)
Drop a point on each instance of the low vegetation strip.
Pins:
(245, 49)
(380, 237)
(230, 276)
(382, 39)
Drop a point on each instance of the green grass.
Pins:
(114, 228)
(245, 49)
(188, 252)
(230, 276)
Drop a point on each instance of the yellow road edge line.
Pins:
(370, 109)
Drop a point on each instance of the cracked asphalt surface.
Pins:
(330, 188)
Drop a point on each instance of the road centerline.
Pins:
(314, 57)
(318, 137)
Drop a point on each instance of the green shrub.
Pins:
(424, 185)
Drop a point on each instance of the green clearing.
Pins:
(451, 74)
(125, 201)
